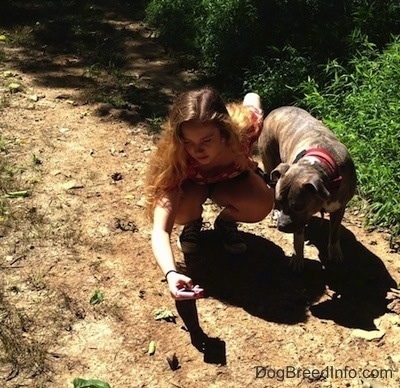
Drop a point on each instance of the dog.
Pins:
(311, 170)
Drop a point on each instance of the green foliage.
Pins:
(226, 33)
(275, 80)
(376, 19)
(214, 32)
(176, 22)
(225, 37)
(361, 105)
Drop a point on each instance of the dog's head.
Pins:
(299, 193)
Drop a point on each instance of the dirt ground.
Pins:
(83, 230)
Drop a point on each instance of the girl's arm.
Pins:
(164, 217)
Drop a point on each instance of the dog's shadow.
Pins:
(261, 282)
(360, 283)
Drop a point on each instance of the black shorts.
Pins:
(239, 177)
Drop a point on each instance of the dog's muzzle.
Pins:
(286, 224)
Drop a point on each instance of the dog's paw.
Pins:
(335, 252)
(273, 219)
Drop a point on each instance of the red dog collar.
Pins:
(327, 160)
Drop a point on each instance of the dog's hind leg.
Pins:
(334, 249)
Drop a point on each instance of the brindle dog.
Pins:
(312, 172)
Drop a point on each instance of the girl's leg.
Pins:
(189, 214)
(191, 202)
(245, 199)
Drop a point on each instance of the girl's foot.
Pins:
(189, 240)
(231, 239)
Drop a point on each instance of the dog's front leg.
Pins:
(297, 260)
(334, 249)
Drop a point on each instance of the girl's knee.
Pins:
(263, 207)
(266, 210)
(262, 211)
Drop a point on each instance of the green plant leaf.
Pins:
(18, 194)
(82, 383)
(97, 297)
(14, 87)
(164, 313)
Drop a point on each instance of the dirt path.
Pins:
(84, 231)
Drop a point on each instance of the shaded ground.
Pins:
(82, 229)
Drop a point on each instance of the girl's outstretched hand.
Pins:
(181, 287)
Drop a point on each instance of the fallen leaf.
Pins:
(72, 185)
(8, 74)
(141, 202)
(369, 335)
(14, 87)
(152, 348)
(33, 98)
(17, 194)
(82, 383)
(164, 313)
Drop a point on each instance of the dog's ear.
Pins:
(317, 186)
(278, 172)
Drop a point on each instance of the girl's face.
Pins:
(203, 141)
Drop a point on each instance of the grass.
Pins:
(19, 351)
(155, 123)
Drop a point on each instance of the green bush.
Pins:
(176, 22)
(215, 33)
(276, 79)
(226, 33)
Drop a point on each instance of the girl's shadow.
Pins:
(258, 281)
(262, 283)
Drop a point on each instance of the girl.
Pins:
(205, 152)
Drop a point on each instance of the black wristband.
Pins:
(171, 270)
